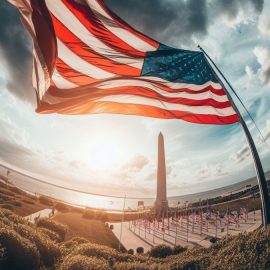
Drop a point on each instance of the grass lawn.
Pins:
(93, 230)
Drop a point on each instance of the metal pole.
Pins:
(257, 162)
(121, 228)
(175, 240)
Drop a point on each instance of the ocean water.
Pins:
(30, 185)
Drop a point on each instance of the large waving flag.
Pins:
(88, 61)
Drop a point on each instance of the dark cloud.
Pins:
(258, 4)
(231, 8)
(175, 22)
(15, 52)
(198, 19)
(267, 75)
(166, 21)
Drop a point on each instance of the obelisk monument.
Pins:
(161, 204)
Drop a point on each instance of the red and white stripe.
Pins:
(93, 65)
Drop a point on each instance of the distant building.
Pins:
(161, 204)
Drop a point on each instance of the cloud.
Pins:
(11, 150)
(177, 22)
(236, 12)
(151, 177)
(264, 22)
(15, 53)
(263, 56)
(75, 164)
(13, 144)
(167, 21)
(241, 155)
(250, 72)
(264, 25)
(137, 163)
(209, 172)
(132, 168)
(266, 131)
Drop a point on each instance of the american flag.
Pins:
(86, 60)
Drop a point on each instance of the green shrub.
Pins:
(161, 251)
(15, 218)
(94, 214)
(80, 262)
(179, 249)
(140, 250)
(20, 252)
(51, 234)
(16, 190)
(79, 240)
(7, 192)
(19, 204)
(47, 223)
(89, 214)
(191, 263)
(45, 200)
(7, 206)
(62, 207)
(213, 240)
(49, 251)
(95, 250)
(102, 215)
(139, 266)
(28, 201)
(131, 251)
(74, 242)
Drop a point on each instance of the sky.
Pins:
(117, 154)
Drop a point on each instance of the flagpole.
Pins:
(257, 162)
(121, 227)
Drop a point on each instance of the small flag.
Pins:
(86, 60)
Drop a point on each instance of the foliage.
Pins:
(138, 266)
(95, 214)
(7, 206)
(28, 201)
(140, 250)
(131, 251)
(80, 262)
(7, 192)
(61, 207)
(179, 249)
(50, 234)
(161, 251)
(47, 223)
(26, 246)
(20, 252)
(48, 250)
(45, 200)
(73, 242)
(89, 214)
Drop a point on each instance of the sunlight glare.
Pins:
(102, 156)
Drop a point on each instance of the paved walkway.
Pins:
(40, 214)
(129, 239)
(136, 236)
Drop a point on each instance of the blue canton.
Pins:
(177, 65)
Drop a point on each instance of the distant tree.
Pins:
(131, 251)
(140, 250)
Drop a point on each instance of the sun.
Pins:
(102, 156)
